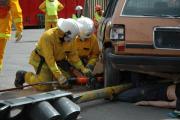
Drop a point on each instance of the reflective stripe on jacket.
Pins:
(3, 35)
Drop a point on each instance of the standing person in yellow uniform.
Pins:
(79, 12)
(54, 46)
(9, 10)
(51, 9)
(87, 44)
(97, 16)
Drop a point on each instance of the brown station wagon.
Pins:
(140, 36)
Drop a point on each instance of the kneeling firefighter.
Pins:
(87, 44)
(88, 50)
(54, 46)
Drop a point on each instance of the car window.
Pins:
(110, 8)
(162, 8)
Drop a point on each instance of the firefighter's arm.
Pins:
(16, 13)
(79, 65)
(96, 23)
(75, 60)
(162, 104)
(60, 6)
(47, 51)
(42, 7)
(94, 52)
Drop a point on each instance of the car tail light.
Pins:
(121, 47)
(117, 33)
(117, 36)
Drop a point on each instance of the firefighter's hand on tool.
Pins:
(91, 79)
(63, 83)
(62, 80)
(87, 72)
(18, 36)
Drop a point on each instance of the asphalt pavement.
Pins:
(16, 58)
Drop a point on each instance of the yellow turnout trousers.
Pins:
(2, 49)
(49, 25)
(45, 75)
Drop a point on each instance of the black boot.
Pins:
(20, 78)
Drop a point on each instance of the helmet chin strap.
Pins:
(62, 39)
(67, 39)
(78, 15)
(82, 38)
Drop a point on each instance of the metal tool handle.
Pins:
(73, 80)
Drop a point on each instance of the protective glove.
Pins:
(91, 79)
(87, 72)
(18, 36)
(64, 83)
(62, 80)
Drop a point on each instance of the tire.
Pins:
(112, 76)
(136, 79)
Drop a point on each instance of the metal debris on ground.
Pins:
(54, 105)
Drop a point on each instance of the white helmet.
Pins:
(69, 27)
(86, 27)
(79, 8)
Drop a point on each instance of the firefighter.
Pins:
(79, 12)
(97, 16)
(51, 9)
(9, 11)
(87, 44)
(54, 46)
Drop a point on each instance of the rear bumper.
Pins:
(147, 63)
